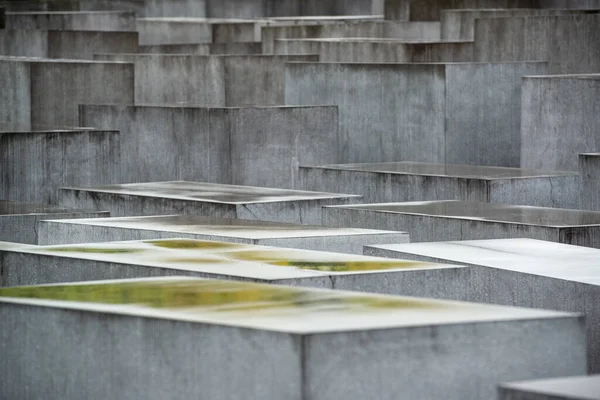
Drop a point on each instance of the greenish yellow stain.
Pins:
(196, 260)
(96, 250)
(190, 244)
(213, 295)
(342, 266)
(253, 255)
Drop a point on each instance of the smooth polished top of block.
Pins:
(526, 215)
(530, 256)
(447, 170)
(573, 387)
(19, 208)
(259, 306)
(245, 229)
(212, 192)
(226, 258)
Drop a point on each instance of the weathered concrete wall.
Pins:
(47, 92)
(74, 21)
(149, 8)
(442, 113)
(589, 171)
(65, 44)
(203, 49)
(246, 146)
(541, 38)
(209, 80)
(2, 18)
(37, 164)
(559, 120)
(154, 31)
(275, 8)
(460, 24)
(571, 4)
(430, 10)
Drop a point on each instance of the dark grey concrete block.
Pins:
(18, 221)
(430, 10)
(589, 170)
(207, 199)
(292, 347)
(570, 388)
(309, 237)
(73, 21)
(410, 181)
(431, 221)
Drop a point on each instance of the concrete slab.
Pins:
(18, 221)
(207, 199)
(551, 106)
(218, 81)
(411, 181)
(146, 8)
(521, 272)
(589, 171)
(431, 221)
(30, 98)
(309, 237)
(570, 388)
(293, 335)
(37, 164)
(72, 21)
(381, 111)
(219, 144)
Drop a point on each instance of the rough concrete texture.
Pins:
(218, 144)
(48, 92)
(216, 81)
(73, 21)
(208, 228)
(569, 388)
(589, 171)
(460, 24)
(290, 354)
(277, 8)
(37, 164)
(522, 273)
(214, 200)
(410, 181)
(203, 49)
(457, 220)
(559, 120)
(65, 43)
(541, 38)
(431, 10)
(19, 221)
(147, 8)
(472, 109)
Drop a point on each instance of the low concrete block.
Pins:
(219, 144)
(207, 199)
(571, 388)
(110, 21)
(431, 221)
(202, 49)
(309, 237)
(431, 10)
(292, 346)
(37, 164)
(589, 171)
(146, 8)
(523, 273)
(18, 221)
(410, 181)
(551, 106)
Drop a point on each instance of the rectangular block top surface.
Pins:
(526, 215)
(261, 306)
(536, 257)
(246, 229)
(212, 192)
(573, 387)
(225, 258)
(448, 170)
(19, 208)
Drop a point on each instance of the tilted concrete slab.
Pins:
(521, 272)
(430, 221)
(589, 171)
(568, 388)
(411, 181)
(207, 199)
(310, 237)
(72, 20)
(293, 336)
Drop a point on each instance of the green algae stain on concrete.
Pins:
(215, 296)
(94, 250)
(190, 244)
(350, 266)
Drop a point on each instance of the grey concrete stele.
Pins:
(265, 233)
(522, 273)
(431, 221)
(568, 388)
(18, 221)
(270, 342)
(206, 199)
(73, 21)
(589, 172)
(411, 181)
